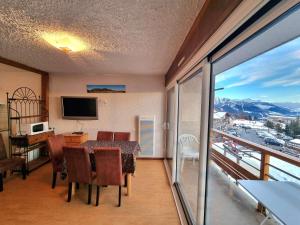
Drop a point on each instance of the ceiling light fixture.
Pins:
(64, 42)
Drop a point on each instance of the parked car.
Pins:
(233, 132)
(273, 141)
(287, 138)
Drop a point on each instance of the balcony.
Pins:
(227, 201)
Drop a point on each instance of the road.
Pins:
(250, 135)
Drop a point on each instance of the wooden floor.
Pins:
(34, 202)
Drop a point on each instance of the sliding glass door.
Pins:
(171, 126)
(188, 142)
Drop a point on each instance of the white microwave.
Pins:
(34, 128)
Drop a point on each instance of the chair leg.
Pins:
(77, 185)
(24, 172)
(98, 195)
(1, 182)
(90, 194)
(54, 176)
(70, 192)
(125, 182)
(120, 195)
(4, 174)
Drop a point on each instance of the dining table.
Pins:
(129, 152)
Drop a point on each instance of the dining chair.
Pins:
(121, 136)
(55, 148)
(105, 136)
(9, 163)
(78, 168)
(108, 169)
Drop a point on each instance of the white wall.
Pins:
(12, 78)
(118, 111)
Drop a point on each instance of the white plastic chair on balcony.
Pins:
(188, 150)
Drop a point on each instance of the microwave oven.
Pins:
(34, 128)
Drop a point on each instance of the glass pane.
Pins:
(256, 111)
(189, 112)
(171, 110)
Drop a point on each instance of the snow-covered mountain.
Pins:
(253, 108)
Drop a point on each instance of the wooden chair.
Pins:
(121, 136)
(9, 164)
(78, 168)
(105, 136)
(55, 147)
(108, 169)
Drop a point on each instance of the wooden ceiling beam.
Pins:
(21, 66)
(209, 19)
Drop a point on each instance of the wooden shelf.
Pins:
(36, 163)
(27, 117)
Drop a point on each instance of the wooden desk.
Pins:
(75, 139)
(29, 143)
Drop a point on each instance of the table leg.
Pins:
(129, 175)
(73, 188)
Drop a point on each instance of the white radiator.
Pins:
(147, 135)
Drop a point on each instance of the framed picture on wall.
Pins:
(99, 88)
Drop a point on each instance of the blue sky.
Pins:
(273, 76)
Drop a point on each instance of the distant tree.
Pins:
(278, 128)
(288, 130)
(293, 129)
(269, 124)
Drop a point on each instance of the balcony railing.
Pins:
(243, 159)
(253, 161)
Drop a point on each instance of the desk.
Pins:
(129, 149)
(282, 199)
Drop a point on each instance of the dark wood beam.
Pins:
(21, 66)
(209, 19)
(45, 94)
(44, 81)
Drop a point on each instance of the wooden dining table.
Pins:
(129, 151)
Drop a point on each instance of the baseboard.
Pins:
(151, 158)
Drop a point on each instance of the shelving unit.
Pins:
(25, 107)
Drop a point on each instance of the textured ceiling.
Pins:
(138, 37)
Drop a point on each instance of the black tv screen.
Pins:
(79, 108)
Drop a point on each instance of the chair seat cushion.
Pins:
(8, 164)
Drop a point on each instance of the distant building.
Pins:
(294, 144)
(281, 119)
(221, 119)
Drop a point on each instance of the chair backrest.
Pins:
(121, 136)
(105, 136)
(3, 154)
(187, 140)
(55, 147)
(78, 164)
(108, 166)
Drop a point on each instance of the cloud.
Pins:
(277, 67)
(296, 54)
(246, 81)
(288, 80)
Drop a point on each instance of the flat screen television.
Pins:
(79, 108)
